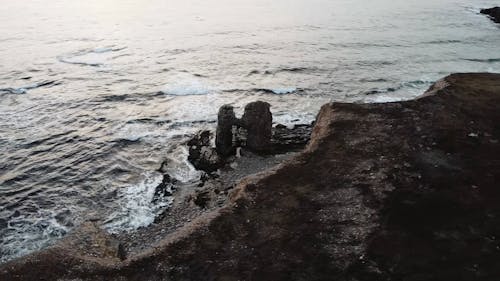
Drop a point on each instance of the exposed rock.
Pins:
(202, 155)
(257, 123)
(253, 131)
(165, 188)
(387, 191)
(289, 139)
(224, 136)
(494, 13)
(258, 120)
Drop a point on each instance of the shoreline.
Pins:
(381, 191)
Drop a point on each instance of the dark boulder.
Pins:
(494, 13)
(257, 120)
(224, 135)
(202, 155)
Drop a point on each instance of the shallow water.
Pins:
(95, 94)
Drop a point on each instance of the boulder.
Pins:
(202, 155)
(257, 120)
(224, 135)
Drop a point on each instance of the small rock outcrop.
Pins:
(258, 121)
(224, 136)
(253, 131)
(494, 13)
(202, 155)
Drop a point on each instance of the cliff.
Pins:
(390, 191)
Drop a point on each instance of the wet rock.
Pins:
(494, 13)
(165, 188)
(257, 120)
(202, 155)
(224, 135)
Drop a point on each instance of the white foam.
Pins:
(179, 167)
(132, 131)
(384, 98)
(26, 234)
(16, 91)
(293, 118)
(284, 90)
(187, 87)
(137, 206)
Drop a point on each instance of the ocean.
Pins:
(95, 94)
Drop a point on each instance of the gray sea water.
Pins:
(95, 94)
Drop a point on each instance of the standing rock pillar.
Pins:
(258, 120)
(224, 135)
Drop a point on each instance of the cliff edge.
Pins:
(389, 191)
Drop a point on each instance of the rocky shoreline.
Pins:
(219, 177)
(389, 191)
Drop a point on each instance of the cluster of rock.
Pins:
(494, 13)
(254, 132)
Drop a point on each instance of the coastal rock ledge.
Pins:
(389, 191)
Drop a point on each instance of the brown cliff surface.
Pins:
(391, 191)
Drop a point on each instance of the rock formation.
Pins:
(224, 136)
(494, 13)
(203, 156)
(253, 131)
(258, 121)
(388, 191)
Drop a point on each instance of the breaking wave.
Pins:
(137, 207)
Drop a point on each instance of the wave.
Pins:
(273, 91)
(96, 57)
(24, 90)
(283, 69)
(138, 208)
(101, 50)
(187, 87)
(69, 61)
(437, 42)
(24, 234)
(414, 84)
(278, 91)
(375, 91)
(373, 80)
(484, 60)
